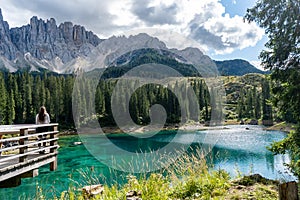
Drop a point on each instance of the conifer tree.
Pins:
(266, 97)
(3, 100)
(281, 22)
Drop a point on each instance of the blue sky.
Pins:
(215, 25)
(239, 7)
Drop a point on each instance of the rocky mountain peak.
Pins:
(1, 16)
(68, 48)
(4, 27)
(44, 40)
(7, 49)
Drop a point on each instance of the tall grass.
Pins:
(182, 177)
(188, 177)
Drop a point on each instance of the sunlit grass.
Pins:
(188, 177)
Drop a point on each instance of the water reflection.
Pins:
(234, 148)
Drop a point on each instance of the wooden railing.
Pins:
(24, 149)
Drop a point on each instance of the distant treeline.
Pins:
(23, 93)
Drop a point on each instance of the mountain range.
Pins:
(237, 67)
(67, 48)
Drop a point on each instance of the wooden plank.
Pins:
(29, 135)
(15, 131)
(22, 142)
(32, 160)
(30, 174)
(29, 161)
(53, 143)
(20, 126)
(27, 145)
(9, 129)
(27, 168)
(28, 153)
(53, 165)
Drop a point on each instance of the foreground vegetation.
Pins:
(187, 178)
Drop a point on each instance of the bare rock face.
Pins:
(44, 40)
(7, 49)
(67, 48)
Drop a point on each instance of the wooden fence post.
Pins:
(23, 132)
(53, 165)
(288, 191)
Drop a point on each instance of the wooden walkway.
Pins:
(23, 150)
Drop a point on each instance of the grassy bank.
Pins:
(188, 177)
(282, 126)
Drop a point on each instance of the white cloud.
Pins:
(172, 39)
(123, 16)
(204, 21)
(257, 64)
(14, 15)
(225, 34)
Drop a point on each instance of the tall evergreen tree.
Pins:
(3, 100)
(257, 103)
(266, 100)
(29, 111)
(201, 95)
(241, 104)
(249, 104)
(10, 110)
(67, 96)
(281, 22)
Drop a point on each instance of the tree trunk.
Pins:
(288, 191)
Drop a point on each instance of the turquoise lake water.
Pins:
(233, 149)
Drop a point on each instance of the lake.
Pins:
(234, 149)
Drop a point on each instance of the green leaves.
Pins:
(281, 21)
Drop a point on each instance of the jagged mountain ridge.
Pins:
(43, 43)
(46, 40)
(38, 46)
(67, 48)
